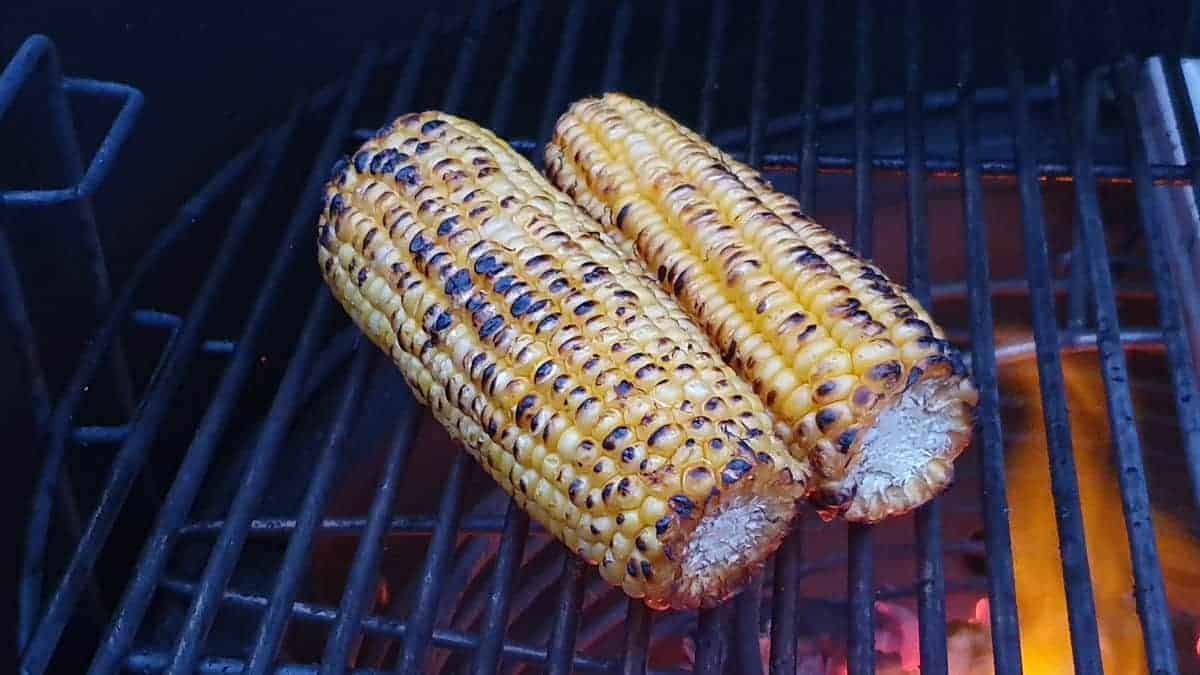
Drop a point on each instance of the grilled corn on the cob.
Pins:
(559, 363)
(857, 374)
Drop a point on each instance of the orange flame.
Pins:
(1045, 638)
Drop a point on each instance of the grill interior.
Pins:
(233, 481)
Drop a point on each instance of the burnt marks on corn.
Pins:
(682, 505)
(887, 373)
(457, 283)
(735, 470)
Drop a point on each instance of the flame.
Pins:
(1041, 600)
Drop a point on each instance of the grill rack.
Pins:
(261, 161)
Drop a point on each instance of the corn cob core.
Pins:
(857, 374)
(561, 366)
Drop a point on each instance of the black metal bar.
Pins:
(144, 428)
(861, 608)
(931, 582)
(1135, 499)
(518, 55)
(1001, 584)
(638, 620)
(712, 65)
(670, 37)
(295, 560)
(745, 627)
(38, 55)
(228, 546)
(365, 568)
(407, 524)
(414, 66)
(1180, 363)
(784, 601)
(64, 411)
(146, 661)
(566, 617)
(395, 628)
(1064, 482)
(211, 429)
(468, 54)
(807, 161)
(16, 319)
(711, 644)
(556, 97)
(860, 581)
(864, 90)
(1189, 126)
(763, 44)
(441, 548)
(508, 560)
(615, 62)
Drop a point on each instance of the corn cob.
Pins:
(574, 380)
(858, 376)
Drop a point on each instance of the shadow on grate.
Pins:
(393, 553)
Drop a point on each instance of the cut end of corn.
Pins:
(906, 456)
(573, 379)
(859, 378)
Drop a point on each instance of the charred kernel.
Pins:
(616, 437)
(584, 307)
(888, 371)
(408, 175)
(447, 225)
(863, 396)
(470, 196)
(647, 570)
(576, 486)
(543, 371)
(682, 505)
(490, 326)
(362, 276)
(606, 493)
(538, 306)
(623, 487)
(663, 524)
(537, 260)
(488, 265)
(524, 405)
(442, 322)
(700, 422)
(432, 126)
(361, 160)
(476, 302)
(620, 518)
(521, 304)
(847, 439)
(504, 283)
(826, 418)
(628, 454)
(631, 567)
(336, 206)
(547, 323)
(623, 388)
(422, 148)
(478, 211)
(458, 282)
(716, 443)
(734, 470)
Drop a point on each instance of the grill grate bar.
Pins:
(1064, 482)
(710, 639)
(997, 539)
(178, 501)
(712, 65)
(931, 582)
(437, 559)
(860, 574)
(223, 557)
(287, 580)
(508, 559)
(441, 547)
(1179, 357)
(566, 616)
(784, 601)
(556, 96)
(746, 631)
(365, 568)
(615, 61)
(519, 54)
(1080, 103)
(638, 623)
(670, 37)
(394, 628)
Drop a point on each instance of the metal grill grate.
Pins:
(723, 636)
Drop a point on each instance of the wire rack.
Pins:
(723, 636)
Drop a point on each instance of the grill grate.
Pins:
(725, 635)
